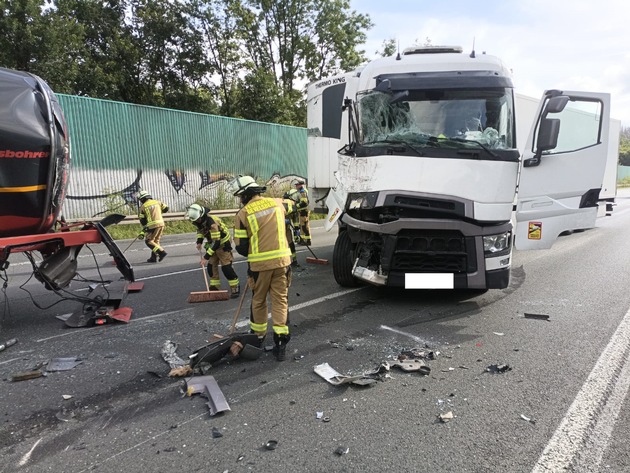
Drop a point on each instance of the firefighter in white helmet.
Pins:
(218, 248)
(150, 215)
(260, 235)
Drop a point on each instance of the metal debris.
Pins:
(208, 387)
(498, 368)
(63, 364)
(169, 353)
(536, 316)
(334, 377)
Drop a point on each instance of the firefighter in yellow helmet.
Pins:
(218, 249)
(150, 215)
(260, 235)
(304, 212)
(291, 198)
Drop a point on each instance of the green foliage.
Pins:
(389, 48)
(624, 146)
(240, 58)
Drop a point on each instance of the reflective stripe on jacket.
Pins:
(152, 210)
(262, 222)
(214, 230)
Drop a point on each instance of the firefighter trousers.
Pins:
(275, 283)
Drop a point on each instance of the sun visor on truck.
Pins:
(34, 154)
(443, 80)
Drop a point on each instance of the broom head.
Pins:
(207, 296)
(312, 260)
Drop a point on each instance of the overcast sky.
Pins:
(579, 45)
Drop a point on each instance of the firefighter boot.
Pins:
(280, 347)
(153, 258)
(161, 255)
(236, 291)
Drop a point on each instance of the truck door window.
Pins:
(580, 126)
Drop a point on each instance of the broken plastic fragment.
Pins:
(319, 415)
(448, 416)
(498, 368)
(271, 444)
(62, 364)
(528, 419)
(536, 316)
(342, 450)
(216, 433)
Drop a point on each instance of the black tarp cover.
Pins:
(34, 154)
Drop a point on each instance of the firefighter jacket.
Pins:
(260, 233)
(215, 231)
(150, 214)
(302, 203)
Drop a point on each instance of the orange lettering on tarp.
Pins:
(9, 153)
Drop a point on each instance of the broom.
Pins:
(207, 295)
(314, 259)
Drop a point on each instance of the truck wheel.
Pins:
(343, 260)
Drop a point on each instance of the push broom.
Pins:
(207, 295)
(314, 259)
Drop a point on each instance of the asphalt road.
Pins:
(560, 404)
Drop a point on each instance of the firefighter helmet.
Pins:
(293, 194)
(298, 182)
(245, 185)
(194, 212)
(143, 195)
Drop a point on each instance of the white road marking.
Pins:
(594, 410)
(28, 454)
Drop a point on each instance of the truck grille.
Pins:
(432, 252)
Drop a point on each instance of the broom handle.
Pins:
(238, 311)
(205, 274)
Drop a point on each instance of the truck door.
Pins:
(563, 166)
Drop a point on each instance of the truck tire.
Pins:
(343, 260)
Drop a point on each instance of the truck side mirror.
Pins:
(547, 139)
(556, 104)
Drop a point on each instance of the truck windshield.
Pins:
(449, 118)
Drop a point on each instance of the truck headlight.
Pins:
(496, 243)
(362, 200)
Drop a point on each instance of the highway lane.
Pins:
(568, 375)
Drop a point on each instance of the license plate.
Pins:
(429, 281)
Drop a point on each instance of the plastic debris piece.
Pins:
(319, 415)
(271, 444)
(216, 433)
(424, 370)
(208, 387)
(326, 419)
(446, 417)
(528, 419)
(408, 365)
(498, 368)
(536, 316)
(499, 333)
(63, 364)
(8, 344)
(66, 396)
(342, 450)
(169, 353)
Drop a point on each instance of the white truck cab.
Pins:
(415, 160)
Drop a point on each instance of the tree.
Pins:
(389, 48)
(624, 146)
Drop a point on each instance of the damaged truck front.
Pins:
(416, 159)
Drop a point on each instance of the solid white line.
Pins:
(309, 303)
(595, 397)
(27, 455)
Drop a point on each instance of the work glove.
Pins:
(165, 209)
(141, 236)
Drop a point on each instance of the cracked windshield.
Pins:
(456, 119)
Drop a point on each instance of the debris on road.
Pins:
(66, 396)
(271, 445)
(207, 386)
(335, 378)
(342, 450)
(498, 368)
(536, 316)
(26, 375)
(216, 433)
(8, 344)
(446, 417)
(528, 419)
(169, 353)
(63, 364)
(180, 372)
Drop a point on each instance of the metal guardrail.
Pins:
(168, 216)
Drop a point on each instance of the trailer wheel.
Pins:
(343, 260)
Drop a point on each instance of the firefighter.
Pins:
(291, 198)
(218, 247)
(150, 214)
(260, 235)
(302, 206)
